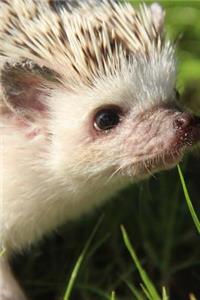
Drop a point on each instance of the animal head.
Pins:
(99, 83)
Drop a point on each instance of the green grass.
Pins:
(147, 288)
(2, 252)
(147, 285)
(189, 203)
(113, 296)
(77, 266)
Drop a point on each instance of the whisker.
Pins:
(113, 174)
(146, 167)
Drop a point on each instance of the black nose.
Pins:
(186, 120)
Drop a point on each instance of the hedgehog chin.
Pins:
(167, 159)
(164, 161)
(159, 162)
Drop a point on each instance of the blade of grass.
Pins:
(192, 297)
(187, 198)
(149, 287)
(2, 252)
(134, 291)
(145, 291)
(79, 262)
(164, 294)
(93, 290)
(113, 296)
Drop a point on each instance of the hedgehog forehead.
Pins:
(147, 82)
(155, 77)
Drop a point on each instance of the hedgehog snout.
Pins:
(188, 128)
(185, 120)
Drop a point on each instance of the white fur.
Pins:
(9, 288)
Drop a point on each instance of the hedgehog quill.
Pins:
(88, 104)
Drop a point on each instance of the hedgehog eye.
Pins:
(107, 118)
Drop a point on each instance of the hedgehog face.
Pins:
(137, 144)
(115, 134)
(154, 140)
(128, 124)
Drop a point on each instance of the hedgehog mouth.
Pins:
(168, 158)
(163, 161)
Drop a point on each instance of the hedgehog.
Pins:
(88, 104)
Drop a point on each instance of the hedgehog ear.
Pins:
(24, 87)
(158, 16)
